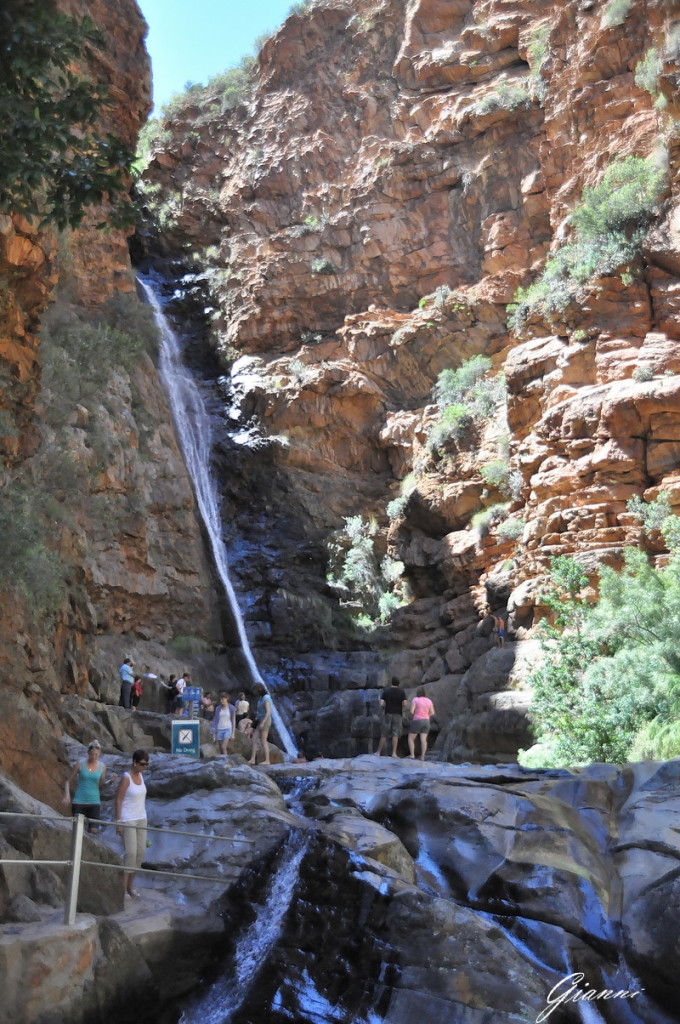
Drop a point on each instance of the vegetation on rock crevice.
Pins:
(609, 225)
(81, 353)
(465, 396)
(370, 586)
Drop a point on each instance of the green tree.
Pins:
(608, 685)
(53, 160)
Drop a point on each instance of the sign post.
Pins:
(191, 697)
(186, 737)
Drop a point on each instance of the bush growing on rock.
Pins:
(465, 396)
(537, 54)
(81, 353)
(496, 474)
(28, 515)
(357, 576)
(511, 529)
(488, 517)
(609, 226)
(506, 96)
(616, 12)
(648, 69)
(608, 685)
(643, 373)
(395, 508)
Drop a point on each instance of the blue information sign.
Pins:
(191, 696)
(186, 737)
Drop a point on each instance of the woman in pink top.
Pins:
(422, 710)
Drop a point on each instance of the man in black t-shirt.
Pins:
(393, 701)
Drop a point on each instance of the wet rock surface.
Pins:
(370, 889)
(520, 883)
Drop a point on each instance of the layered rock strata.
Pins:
(92, 461)
(387, 151)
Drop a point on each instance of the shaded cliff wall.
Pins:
(389, 150)
(90, 461)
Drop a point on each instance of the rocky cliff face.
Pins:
(103, 554)
(362, 220)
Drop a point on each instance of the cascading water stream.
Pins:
(227, 995)
(194, 430)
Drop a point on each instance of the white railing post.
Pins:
(74, 869)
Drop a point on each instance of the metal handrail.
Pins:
(25, 814)
(154, 871)
(109, 821)
(75, 862)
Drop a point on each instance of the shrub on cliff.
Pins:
(648, 69)
(81, 354)
(465, 396)
(355, 573)
(28, 517)
(506, 96)
(616, 12)
(55, 162)
(223, 92)
(609, 225)
(608, 685)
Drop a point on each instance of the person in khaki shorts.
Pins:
(393, 702)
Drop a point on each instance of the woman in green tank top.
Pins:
(87, 776)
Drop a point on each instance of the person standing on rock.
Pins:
(136, 694)
(87, 776)
(244, 722)
(392, 701)
(180, 687)
(223, 725)
(263, 721)
(499, 629)
(171, 695)
(422, 710)
(130, 812)
(127, 677)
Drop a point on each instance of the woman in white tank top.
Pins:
(130, 807)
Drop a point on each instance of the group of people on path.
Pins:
(394, 703)
(88, 776)
(227, 718)
(131, 689)
(230, 718)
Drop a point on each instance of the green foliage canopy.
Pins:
(608, 684)
(53, 161)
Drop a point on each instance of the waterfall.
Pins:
(194, 430)
(227, 995)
